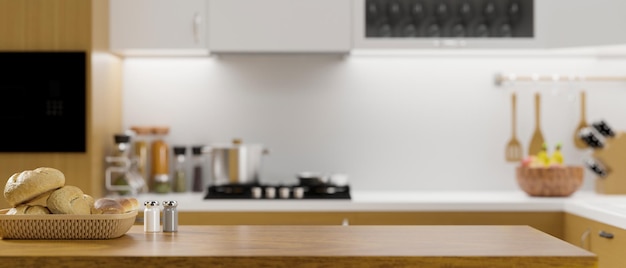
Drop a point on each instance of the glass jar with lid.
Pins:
(160, 161)
(180, 174)
(198, 163)
(118, 163)
(140, 151)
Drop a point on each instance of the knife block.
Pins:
(613, 156)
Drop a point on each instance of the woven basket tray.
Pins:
(62, 226)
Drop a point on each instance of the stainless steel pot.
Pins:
(235, 163)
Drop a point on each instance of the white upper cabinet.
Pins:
(572, 23)
(158, 27)
(280, 26)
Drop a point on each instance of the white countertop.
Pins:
(608, 209)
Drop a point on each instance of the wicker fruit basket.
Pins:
(67, 227)
(550, 181)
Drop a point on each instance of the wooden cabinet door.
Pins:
(577, 231)
(608, 242)
(548, 222)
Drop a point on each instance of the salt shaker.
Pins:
(151, 221)
(170, 216)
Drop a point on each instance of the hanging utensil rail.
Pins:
(500, 79)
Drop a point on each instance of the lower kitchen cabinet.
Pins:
(548, 222)
(263, 218)
(606, 241)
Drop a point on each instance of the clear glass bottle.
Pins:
(120, 156)
(141, 152)
(180, 176)
(198, 168)
(122, 176)
(160, 161)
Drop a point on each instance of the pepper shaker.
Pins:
(151, 220)
(170, 216)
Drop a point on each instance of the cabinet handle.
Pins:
(606, 235)
(583, 238)
(345, 222)
(197, 20)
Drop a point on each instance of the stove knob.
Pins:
(256, 192)
(298, 192)
(270, 192)
(331, 190)
(284, 192)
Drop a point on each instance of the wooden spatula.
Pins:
(537, 140)
(514, 148)
(578, 142)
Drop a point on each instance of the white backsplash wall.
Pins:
(389, 122)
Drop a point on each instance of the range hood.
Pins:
(444, 23)
(449, 19)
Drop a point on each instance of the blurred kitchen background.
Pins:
(406, 121)
(361, 90)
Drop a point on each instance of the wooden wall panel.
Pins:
(45, 25)
(65, 25)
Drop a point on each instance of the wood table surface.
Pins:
(306, 246)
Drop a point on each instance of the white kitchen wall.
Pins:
(393, 122)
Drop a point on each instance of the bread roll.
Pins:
(29, 184)
(28, 210)
(89, 199)
(129, 204)
(68, 200)
(41, 200)
(108, 206)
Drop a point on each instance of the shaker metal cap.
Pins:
(171, 203)
(151, 203)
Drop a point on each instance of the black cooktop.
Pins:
(278, 192)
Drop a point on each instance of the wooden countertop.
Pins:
(311, 246)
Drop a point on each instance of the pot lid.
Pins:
(236, 143)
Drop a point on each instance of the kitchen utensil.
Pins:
(514, 148)
(537, 140)
(578, 142)
(604, 129)
(591, 139)
(235, 163)
(597, 167)
(312, 178)
(339, 179)
(609, 160)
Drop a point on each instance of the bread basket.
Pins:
(63, 226)
(550, 181)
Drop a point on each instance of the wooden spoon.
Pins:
(537, 140)
(578, 142)
(513, 148)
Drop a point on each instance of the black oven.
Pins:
(43, 101)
